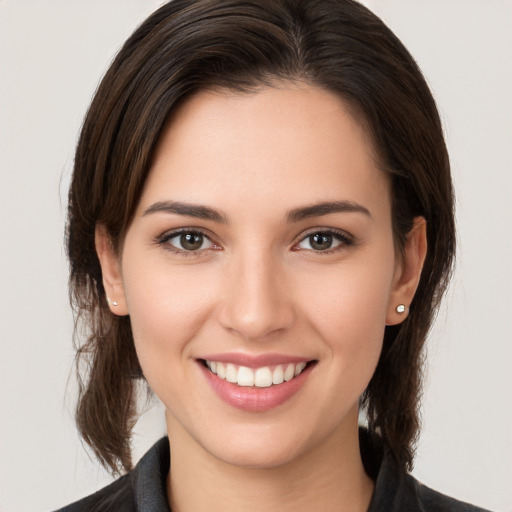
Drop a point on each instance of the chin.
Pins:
(259, 448)
(257, 456)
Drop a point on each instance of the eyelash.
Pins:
(163, 241)
(345, 239)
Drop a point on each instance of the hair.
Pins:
(188, 46)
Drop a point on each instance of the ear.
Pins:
(408, 272)
(111, 271)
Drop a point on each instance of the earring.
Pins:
(112, 302)
(400, 309)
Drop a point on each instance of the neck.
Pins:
(329, 477)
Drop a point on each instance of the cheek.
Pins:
(347, 309)
(167, 307)
(355, 296)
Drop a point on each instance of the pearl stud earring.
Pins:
(400, 309)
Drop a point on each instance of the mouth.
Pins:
(261, 377)
(255, 383)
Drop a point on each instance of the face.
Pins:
(259, 273)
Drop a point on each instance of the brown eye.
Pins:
(320, 241)
(190, 241)
(323, 241)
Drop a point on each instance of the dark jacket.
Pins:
(144, 488)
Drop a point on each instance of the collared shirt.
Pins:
(144, 488)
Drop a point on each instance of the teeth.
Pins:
(289, 372)
(221, 370)
(245, 376)
(231, 373)
(278, 375)
(263, 377)
(299, 368)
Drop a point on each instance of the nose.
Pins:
(257, 303)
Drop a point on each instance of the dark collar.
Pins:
(149, 476)
(395, 490)
(149, 479)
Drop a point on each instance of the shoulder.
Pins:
(416, 496)
(141, 489)
(398, 491)
(401, 492)
(117, 496)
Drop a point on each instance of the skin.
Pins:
(257, 285)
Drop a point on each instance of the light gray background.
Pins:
(52, 55)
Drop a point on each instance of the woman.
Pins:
(261, 227)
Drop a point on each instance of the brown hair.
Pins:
(191, 45)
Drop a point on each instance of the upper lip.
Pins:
(254, 361)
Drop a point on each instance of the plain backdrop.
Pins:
(52, 55)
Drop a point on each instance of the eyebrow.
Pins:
(319, 209)
(295, 215)
(190, 210)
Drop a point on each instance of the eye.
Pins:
(188, 241)
(323, 241)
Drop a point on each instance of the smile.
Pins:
(263, 377)
(255, 383)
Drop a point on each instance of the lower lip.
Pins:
(255, 399)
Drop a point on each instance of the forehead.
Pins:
(278, 145)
